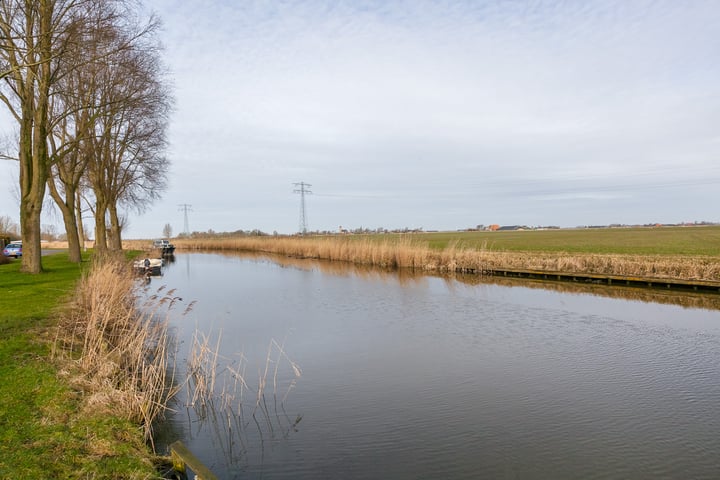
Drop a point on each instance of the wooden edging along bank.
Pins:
(182, 456)
(617, 280)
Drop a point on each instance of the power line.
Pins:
(186, 208)
(303, 190)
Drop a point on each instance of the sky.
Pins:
(439, 115)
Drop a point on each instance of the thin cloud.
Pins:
(393, 105)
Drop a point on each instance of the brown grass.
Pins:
(406, 253)
(117, 353)
(62, 244)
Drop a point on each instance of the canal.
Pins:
(313, 370)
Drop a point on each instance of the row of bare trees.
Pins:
(85, 83)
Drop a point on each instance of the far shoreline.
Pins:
(522, 254)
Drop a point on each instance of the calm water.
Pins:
(409, 377)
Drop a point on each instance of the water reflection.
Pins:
(231, 430)
(406, 277)
(648, 295)
(224, 403)
(407, 376)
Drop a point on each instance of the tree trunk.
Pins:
(31, 194)
(67, 208)
(73, 238)
(34, 158)
(79, 220)
(31, 200)
(101, 244)
(30, 226)
(115, 228)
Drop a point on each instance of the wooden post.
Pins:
(181, 457)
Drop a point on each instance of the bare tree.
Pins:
(43, 46)
(34, 38)
(129, 168)
(7, 225)
(28, 46)
(167, 230)
(49, 232)
(74, 107)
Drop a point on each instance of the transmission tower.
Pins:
(186, 208)
(303, 190)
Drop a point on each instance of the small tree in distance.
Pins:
(7, 226)
(167, 230)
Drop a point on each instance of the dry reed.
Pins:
(217, 388)
(406, 253)
(120, 354)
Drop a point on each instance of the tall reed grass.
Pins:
(237, 410)
(218, 386)
(118, 353)
(408, 253)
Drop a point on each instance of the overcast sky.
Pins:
(440, 115)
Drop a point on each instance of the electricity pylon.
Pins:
(185, 207)
(303, 190)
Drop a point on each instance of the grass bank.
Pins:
(55, 421)
(686, 253)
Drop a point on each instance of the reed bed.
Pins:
(117, 353)
(404, 252)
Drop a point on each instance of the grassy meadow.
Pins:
(701, 240)
(684, 253)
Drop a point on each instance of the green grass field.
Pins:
(42, 433)
(704, 240)
(28, 299)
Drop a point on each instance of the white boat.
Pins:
(148, 266)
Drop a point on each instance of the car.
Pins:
(13, 250)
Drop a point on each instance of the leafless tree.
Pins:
(7, 226)
(69, 160)
(36, 37)
(129, 168)
(73, 109)
(32, 32)
(43, 43)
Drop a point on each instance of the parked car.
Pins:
(13, 250)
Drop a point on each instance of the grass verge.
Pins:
(44, 430)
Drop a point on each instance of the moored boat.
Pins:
(148, 266)
(164, 247)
